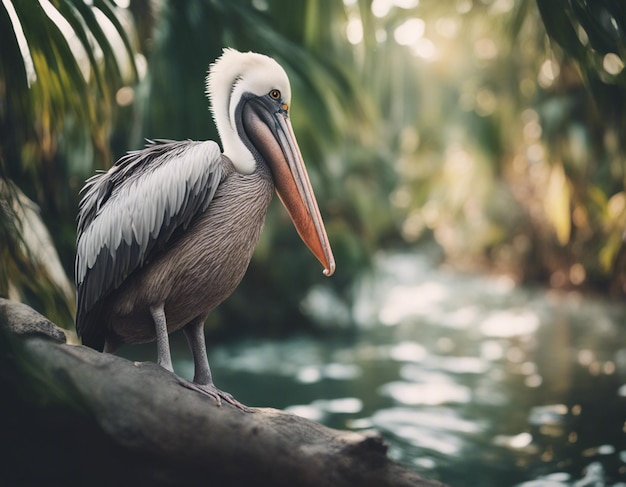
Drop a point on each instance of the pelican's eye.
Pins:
(275, 94)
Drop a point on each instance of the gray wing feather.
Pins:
(129, 212)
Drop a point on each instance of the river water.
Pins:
(472, 380)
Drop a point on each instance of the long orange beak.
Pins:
(272, 135)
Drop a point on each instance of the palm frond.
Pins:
(60, 68)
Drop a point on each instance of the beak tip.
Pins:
(330, 270)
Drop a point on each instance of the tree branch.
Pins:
(79, 417)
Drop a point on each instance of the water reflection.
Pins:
(472, 380)
(428, 393)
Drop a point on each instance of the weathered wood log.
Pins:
(74, 416)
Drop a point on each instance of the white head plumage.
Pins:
(233, 74)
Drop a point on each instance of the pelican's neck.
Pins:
(223, 93)
(232, 144)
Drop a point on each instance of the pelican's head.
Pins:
(250, 98)
(233, 79)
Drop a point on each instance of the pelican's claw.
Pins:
(217, 395)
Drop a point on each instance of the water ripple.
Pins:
(427, 393)
(440, 430)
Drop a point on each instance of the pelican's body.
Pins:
(168, 232)
(198, 269)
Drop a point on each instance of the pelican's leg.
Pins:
(194, 332)
(202, 379)
(164, 358)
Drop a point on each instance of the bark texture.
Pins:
(74, 416)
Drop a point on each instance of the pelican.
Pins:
(167, 233)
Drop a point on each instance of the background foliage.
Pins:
(492, 127)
